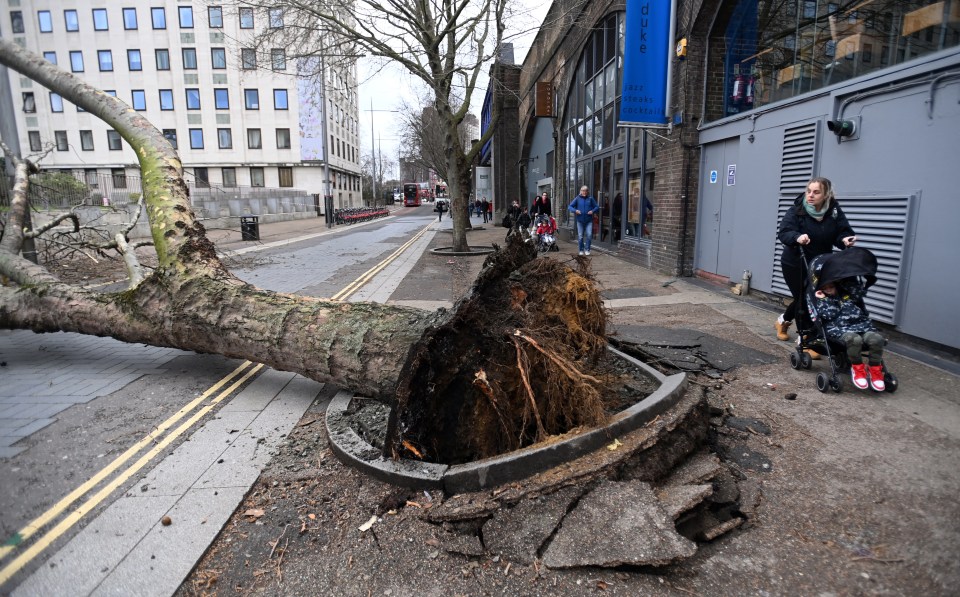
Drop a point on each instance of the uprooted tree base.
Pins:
(520, 360)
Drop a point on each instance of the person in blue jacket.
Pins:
(583, 207)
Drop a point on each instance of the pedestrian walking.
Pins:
(583, 207)
(485, 206)
(440, 207)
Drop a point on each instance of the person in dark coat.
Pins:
(485, 206)
(541, 205)
(816, 223)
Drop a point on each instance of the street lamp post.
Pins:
(373, 151)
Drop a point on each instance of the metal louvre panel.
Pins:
(796, 169)
(881, 223)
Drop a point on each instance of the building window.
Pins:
(251, 99)
(129, 18)
(278, 59)
(16, 21)
(60, 138)
(171, 136)
(86, 140)
(254, 140)
(225, 138)
(158, 17)
(256, 177)
(229, 177)
(201, 177)
(56, 102)
(166, 99)
(29, 102)
(186, 17)
(139, 97)
(283, 138)
(90, 177)
(113, 141)
(280, 99)
(190, 58)
(34, 137)
(71, 20)
(276, 18)
(215, 17)
(246, 18)
(218, 58)
(50, 57)
(286, 176)
(163, 59)
(221, 99)
(248, 59)
(193, 98)
(76, 61)
(100, 19)
(196, 138)
(44, 21)
(105, 58)
(119, 176)
(133, 60)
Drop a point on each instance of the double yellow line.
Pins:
(159, 442)
(245, 371)
(373, 271)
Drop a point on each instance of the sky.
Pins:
(387, 90)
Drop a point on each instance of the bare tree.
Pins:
(446, 44)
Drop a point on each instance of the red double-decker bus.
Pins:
(411, 194)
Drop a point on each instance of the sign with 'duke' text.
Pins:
(646, 59)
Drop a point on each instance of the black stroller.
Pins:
(853, 263)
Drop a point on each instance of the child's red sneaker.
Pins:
(876, 378)
(859, 375)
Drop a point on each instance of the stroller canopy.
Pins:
(849, 263)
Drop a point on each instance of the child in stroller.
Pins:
(544, 231)
(839, 324)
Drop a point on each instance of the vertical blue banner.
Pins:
(645, 62)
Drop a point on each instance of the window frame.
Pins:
(244, 54)
(192, 92)
(130, 65)
(263, 178)
(286, 99)
(61, 136)
(86, 138)
(34, 140)
(56, 103)
(191, 132)
(246, 98)
(246, 12)
(48, 21)
(73, 64)
(278, 59)
(156, 56)
(224, 93)
(102, 12)
(134, 93)
(289, 141)
(214, 52)
(218, 10)
(168, 93)
(285, 172)
(171, 136)
(28, 102)
(100, 56)
(75, 21)
(275, 18)
(188, 11)
(48, 55)
(113, 138)
(184, 52)
(126, 12)
(17, 25)
(259, 135)
(158, 11)
(224, 134)
(223, 177)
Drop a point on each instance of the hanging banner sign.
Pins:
(645, 63)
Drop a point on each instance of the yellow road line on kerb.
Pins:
(47, 539)
(373, 271)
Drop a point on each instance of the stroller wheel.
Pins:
(794, 360)
(890, 381)
(823, 384)
(836, 384)
(806, 360)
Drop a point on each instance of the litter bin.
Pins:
(250, 227)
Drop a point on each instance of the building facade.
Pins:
(241, 117)
(767, 95)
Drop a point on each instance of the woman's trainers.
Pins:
(859, 375)
(876, 378)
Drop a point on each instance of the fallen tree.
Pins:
(460, 385)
